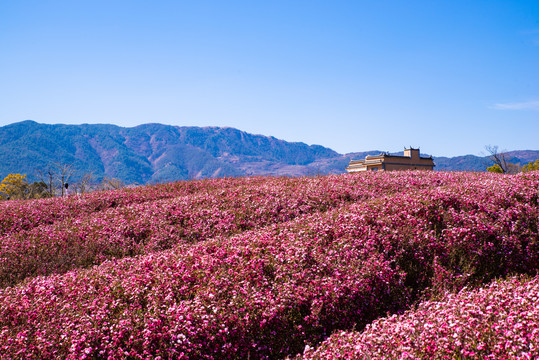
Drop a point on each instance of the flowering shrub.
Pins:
(284, 264)
(78, 232)
(500, 321)
(24, 215)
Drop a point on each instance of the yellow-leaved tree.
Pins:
(495, 169)
(14, 186)
(531, 166)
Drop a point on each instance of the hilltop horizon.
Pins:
(153, 152)
(450, 77)
(393, 150)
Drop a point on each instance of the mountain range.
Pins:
(152, 153)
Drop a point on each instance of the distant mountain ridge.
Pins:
(156, 153)
(152, 153)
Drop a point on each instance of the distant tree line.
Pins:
(54, 181)
(15, 186)
(503, 166)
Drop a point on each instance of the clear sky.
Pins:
(447, 76)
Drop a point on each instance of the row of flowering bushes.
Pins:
(499, 321)
(270, 291)
(97, 227)
(24, 215)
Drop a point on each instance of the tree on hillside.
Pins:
(48, 177)
(501, 165)
(495, 169)
(56, 176)
(112, 184)
(38, 190)
(14, 186)
(65, 171)
(531, 166)
(85, 182)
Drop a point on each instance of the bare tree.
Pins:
(65, 171)
(38, 190)
(112, 184)
(513, 168)
(57, 174)
(497, 157)
(84, 183)
(500, 159)
(48, 176)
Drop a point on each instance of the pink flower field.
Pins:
(499, 321)
(375, 265)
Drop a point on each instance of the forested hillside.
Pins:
(154, 153)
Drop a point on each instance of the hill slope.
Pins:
(152, 153)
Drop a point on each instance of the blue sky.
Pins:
(447, 76)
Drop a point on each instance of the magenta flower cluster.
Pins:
(257, 268)
(500, 321)
(56, 235)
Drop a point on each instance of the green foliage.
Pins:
(157, 153)
(495, 169)
(15, 186)
(531, 166)
(148, 153)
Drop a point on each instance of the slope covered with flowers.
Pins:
(51, 236)
(254, 267)
(500, 321)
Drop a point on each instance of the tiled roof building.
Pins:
(411, 160)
